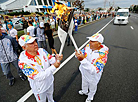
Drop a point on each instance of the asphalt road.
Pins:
(119, 80)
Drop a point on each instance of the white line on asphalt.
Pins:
(29, 93)
(131, 27)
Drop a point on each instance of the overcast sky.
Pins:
(100, 3)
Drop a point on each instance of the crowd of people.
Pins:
(36, 64)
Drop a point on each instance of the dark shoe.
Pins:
(68, 44)
(23, 77)
(11, 82)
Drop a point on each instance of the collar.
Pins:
(10, 29)
(98, 50)
(29, 55)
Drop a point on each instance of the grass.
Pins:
(20, 33)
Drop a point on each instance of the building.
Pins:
(30, 5)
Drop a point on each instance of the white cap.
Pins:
(41, 24)
(25, 39)
(97, 37)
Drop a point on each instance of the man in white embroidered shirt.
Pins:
(93, 59)
(38, 65)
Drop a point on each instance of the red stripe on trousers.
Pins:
(38, 96)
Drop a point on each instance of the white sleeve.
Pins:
(88, 66)
(28, 30)
(34, 74)
(15, 32)
(51, 59)
(43, 75)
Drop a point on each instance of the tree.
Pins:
(100, 9)
(117, 8)
(78, 4)
(87, 9)
(135, 8)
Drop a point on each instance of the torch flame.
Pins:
(61, 10)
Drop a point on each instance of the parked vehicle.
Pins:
(17, 22)
(122, 16)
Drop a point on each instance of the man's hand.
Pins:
(59, 58)
(80, 56)
(57, 64)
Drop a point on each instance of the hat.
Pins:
(97, 37)
(41, 24)
(45, 13)
(25, 39)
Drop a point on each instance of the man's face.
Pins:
(31, 47)
(9, 26)
(94, 45)
(23, 18)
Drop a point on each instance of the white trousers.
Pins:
(45, 95)
(89, 87)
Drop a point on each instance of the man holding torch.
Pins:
(38, 65)
(93, 59)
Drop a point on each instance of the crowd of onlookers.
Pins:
(36, 27)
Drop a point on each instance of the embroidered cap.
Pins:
(25, 39)
(97, 37)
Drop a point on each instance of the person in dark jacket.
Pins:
(7, 56)
(25, 25)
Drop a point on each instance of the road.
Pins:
(119, 80)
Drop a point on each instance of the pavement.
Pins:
(119, 80)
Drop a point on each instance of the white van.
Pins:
(121, 16)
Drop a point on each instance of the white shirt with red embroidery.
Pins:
(92, 65)
(38, 69)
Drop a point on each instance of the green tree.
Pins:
(100, 9)
(78, 4)
(135, 8)
(87, 9)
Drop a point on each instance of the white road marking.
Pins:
(29, 93)
(131, 27)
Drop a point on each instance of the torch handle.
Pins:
(61, 48)
(74, 43)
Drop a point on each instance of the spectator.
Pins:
(52, 23)
(68, 39)
(93, 59)
(38, 65)
(46, 18)
(30, 29)
(54, 17)
(35, 17)
(7, 56)
(3, 30)
(76, 25)
(25, 25)
(35, 23)
(7, 21)
(39, 31)
(49, 34)
(30, 19)
(12, 32)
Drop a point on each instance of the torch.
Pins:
(66, 23)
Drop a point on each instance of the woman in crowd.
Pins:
(49, 34)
